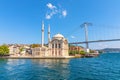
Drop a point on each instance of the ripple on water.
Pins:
(104, 67)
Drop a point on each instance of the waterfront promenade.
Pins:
(54, 57)
(36, 57)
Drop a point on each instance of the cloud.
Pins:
(48, 16)
(64, 13)
(73, 37)
(50, 6)
(55, 10)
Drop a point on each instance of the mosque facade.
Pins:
(57, 46)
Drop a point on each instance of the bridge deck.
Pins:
(95, 41)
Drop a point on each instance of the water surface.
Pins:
(104, 67)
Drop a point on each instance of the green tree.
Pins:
(4, 50)
(82, 52)
(72, 52)
(100, 51)
(21, 49)
(92, 51)
(34, 45)
(77, 52)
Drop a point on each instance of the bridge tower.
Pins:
(85, 25)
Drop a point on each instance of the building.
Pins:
(57, 47)
(19, 49)
(14, 50)
(76, 48)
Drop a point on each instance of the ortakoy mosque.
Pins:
(57, 46)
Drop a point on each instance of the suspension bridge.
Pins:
(85, 26)
(95, 41)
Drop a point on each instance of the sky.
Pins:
(21, 20)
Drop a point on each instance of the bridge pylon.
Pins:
(85, 25)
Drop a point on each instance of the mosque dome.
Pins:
(58, 36)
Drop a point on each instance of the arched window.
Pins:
(55, 45)
(59, 45)
(52, 45)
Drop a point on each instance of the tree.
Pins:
(21, 49)
(34, 45)
(82, 52)
(71, 52)
(4, 50)
(92, 51)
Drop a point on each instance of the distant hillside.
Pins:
(111, 50)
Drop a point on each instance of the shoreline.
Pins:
(35, 57)
(55, 57)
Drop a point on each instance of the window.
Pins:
(55, 45)
(52, 45)
(59, 45)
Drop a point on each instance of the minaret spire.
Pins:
(42, 34)
(48, 33)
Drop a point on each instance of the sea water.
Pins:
(104, 67)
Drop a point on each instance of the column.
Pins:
(40, 51)
(62, 48)
(57, 49)
(54, 49)
(50, 49)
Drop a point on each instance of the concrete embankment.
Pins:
(56, 57)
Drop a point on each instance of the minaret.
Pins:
(42, 34)
(48, 33)
(49, 44)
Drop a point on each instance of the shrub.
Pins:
(4, 50)
(82, 52)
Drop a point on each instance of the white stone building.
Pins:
(13, 50)
(57, 47)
